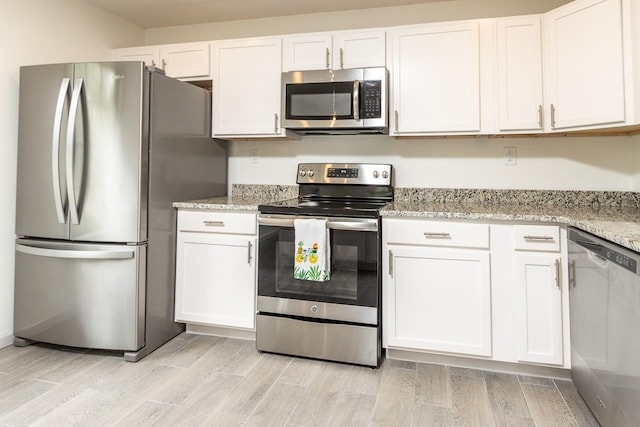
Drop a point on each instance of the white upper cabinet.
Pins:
(436, 79)
(359, 49)
(186, 60)
(585, 77)
(306, 52)
(181, 61)
(150, 55)
(324, 51)
(519, 74)
(246, 76)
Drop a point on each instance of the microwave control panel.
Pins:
(371, 99)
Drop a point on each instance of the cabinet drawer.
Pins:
(537, 238)
(436, 233)
(217, 222)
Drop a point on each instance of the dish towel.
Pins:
(313, 253)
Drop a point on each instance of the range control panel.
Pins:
(345, 173)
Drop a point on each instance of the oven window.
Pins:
(354, 268)
(319, 101)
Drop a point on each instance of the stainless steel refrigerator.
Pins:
(104, 149)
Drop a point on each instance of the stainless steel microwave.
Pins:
(336, 102)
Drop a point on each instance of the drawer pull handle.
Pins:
(437, 235)
(538, 238)
(213, 223)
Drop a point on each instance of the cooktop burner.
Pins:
(331, 189)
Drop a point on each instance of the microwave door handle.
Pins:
(356, 99)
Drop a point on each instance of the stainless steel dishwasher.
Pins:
(604, 298)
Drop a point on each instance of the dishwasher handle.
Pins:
(606, 251)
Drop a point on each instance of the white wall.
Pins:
(32, 32)
(368, 18)
(594, 163)
(635, 159)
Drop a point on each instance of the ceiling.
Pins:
(166, 13)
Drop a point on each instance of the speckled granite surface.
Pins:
(519, 197)
(614, 216)
(615, 223)
(244, 197)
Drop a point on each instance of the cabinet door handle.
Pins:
(328, 58)
(553, 116)
(429, 235)
(213, 223)
(397, 118)
(390, 264)
(341, 58)
(538, 238)
(153, 62)
(164, 64)
(557, 262)
(275, 127)
(249, 257)
(540, 116)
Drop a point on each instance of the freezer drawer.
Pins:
(80, 295)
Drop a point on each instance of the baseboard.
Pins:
(243, 334)
(487, 365)
(6, 340)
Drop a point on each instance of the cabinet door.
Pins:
(185, 60)
(439, 300)
(519, 74)
(539, 308)
(150, 55)
(585, 64)
(436, 73)
(307, 52)
(215, 279)
(359, 50)
(246, 87)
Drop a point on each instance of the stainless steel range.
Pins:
(337, 315)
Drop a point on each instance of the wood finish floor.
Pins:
(197, 380)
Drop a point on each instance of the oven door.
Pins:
(353, 292)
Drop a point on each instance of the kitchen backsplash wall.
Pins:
(569, 163)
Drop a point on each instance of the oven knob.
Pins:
(314, 308)
(303, 173)
(385, 174)
(310, 173)
(376, 174)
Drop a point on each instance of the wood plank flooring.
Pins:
(198, 380)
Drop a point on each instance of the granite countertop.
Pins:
(619, 224)
(614, 216)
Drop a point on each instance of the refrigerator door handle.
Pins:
(76, 254)
(71, 140)
(63, 95)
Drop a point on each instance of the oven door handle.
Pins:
(349, 224)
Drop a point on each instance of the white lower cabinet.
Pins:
(478, 290)
(538, 282)
(437, 286)
(539, 308)
(441, 300)
(216, 269)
